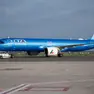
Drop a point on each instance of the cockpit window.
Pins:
(1, 42)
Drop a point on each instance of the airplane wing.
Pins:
(70, 46)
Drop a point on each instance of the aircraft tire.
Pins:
(12, 56)
(46, 55)
(60, 55)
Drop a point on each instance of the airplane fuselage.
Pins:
(26, 44)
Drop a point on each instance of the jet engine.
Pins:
(52, 51)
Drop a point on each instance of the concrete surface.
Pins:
(48, 77)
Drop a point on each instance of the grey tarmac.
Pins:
(47, 77)
(41, 58)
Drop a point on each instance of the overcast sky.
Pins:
(47, 18)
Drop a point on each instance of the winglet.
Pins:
(92, 37)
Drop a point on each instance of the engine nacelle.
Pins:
(52, 51)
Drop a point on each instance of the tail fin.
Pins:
(92, 38)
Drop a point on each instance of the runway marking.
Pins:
(76, 81)
(66, 89)
(27, 88)
(33, 86)
(1, 89)
(30, 86)
(46, 89)
(15, 89)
